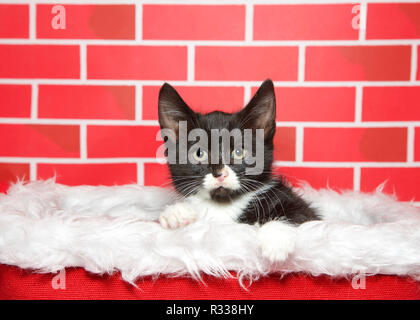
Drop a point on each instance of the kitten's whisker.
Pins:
(246, 189)
(187, 188)
(172, 180)
(187, 176)
(246, 185)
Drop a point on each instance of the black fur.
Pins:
(278, 200)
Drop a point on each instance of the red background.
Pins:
(81, 102)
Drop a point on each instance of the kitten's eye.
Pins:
(239, 153)
(200, 155)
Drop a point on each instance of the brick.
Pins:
(39, 140)
(284, 144)
(314, 103)
(304, 22)
(15, 101)
(39, 61)
(358, 63)
(86, 102)
(391, 104)
(318, 178)
(355, 144)
(137, 62)
(88, 22)
(14, 21)
(122, 141)
(403, 181)
(156, 174)
(393, 21)
(246, 63)
(108, 174)
(200, 99)
(194, 22)
(10, 172)
(417, 144)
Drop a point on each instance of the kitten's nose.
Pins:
(220, 174)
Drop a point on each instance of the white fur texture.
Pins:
(277, 240)
(47, 226)
(231, 180)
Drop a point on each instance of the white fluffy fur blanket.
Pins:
(47, 226)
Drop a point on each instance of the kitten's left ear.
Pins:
(260, 112)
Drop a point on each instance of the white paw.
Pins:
(177, 215)
(277, 240)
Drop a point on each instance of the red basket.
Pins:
(16, 283)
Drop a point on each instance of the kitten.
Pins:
(224, 190)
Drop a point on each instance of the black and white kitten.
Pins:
(224, 190)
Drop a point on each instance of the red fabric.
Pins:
(16, 283)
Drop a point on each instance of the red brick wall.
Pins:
(81, 102)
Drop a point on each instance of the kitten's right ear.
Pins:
(260, 112)
(172, 109)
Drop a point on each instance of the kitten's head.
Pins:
(219, 168)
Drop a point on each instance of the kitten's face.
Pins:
(219, 170)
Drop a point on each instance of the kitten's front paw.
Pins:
(277, 240)
(177, 215)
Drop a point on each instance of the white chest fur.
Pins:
(205, 206)
(201, 205)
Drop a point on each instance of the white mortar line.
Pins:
(138, 21)
(32, 20)
(32, 171)
(247, 94)
(138, 112)
(335, 164)
(299, 144)
(212, 83)
(83, 62)
(356, 178)
(414, 63)
(358, 105)
(191, 63)
(363, 21)
(301, 63)
(410, 143)
(76, 160)
(106, 122)
(140, 172)
(210, 1)
(83, 142)
(100, 122)
(249, 22)
(228, 43)
(34, 101)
